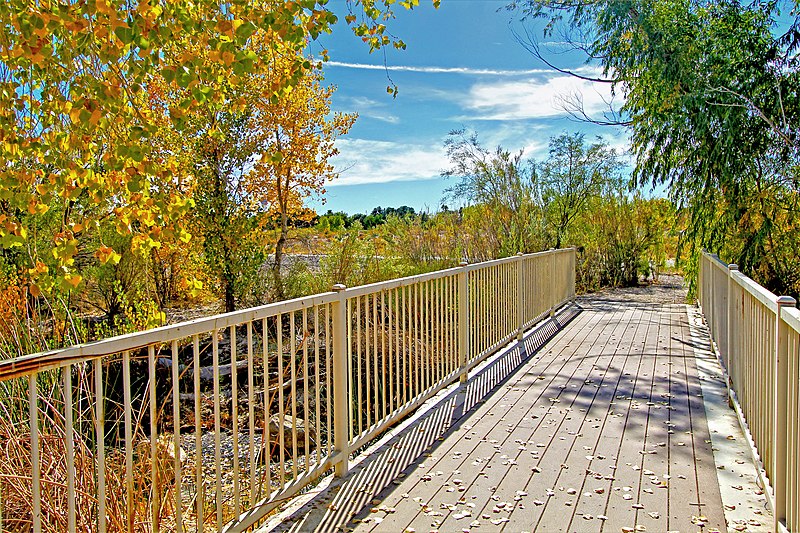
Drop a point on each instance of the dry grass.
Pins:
(16, 482)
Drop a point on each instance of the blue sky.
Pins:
(462, 68)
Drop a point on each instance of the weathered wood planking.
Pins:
(601, 429)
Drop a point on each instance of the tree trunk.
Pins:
(280, 290)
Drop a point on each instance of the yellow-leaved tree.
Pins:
(77, 135)
(296, 137)
(251, 162)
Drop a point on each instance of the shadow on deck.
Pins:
(595, 422)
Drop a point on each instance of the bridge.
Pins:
(485, 397)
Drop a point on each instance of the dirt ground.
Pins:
(670, 288)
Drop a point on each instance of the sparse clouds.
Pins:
(369, 161)
(369, 108)
(438, 70)
(534, 99)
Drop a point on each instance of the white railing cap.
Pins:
(763, 295)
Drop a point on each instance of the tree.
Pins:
(76, 133)
(571, 175)
(295, 136)
(499, 179)
(711, 102)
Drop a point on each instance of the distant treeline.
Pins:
(340, 220)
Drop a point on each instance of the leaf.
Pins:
(73, 280)
(107, 254)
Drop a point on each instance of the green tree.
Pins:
(711, 102)
(571, 175)
(498, 179)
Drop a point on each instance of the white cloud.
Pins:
(438, 70)
(532, 99)
(367, 161)
(369, 108)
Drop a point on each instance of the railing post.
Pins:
(729, 324)
(463, 322)
(574, 271)
(341, 393)
(520, 295)
(781, 409)
(552, 253)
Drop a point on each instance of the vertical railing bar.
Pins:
(293, 388)
(367, 374)
(328, 370)
(441, 293)
(384, 354)
(251, 415)
(198, 436)
(128, 419)
(429, 332)
(403, 397)
(420, 336)
(483, 276)
(451, 326)
(350, 383)
(317, 387)
(100, 432)
(342, 355)
(36, 467)
(391, 340)
(69, 424)
(423, 347)
(357, 410)
(463, 306)
(436, 328)
(155, 504)
(375, 373)
(400, 345)
(266, 443)
(486, 310)
(217, 424)
(418, 350)
(412, 339)
(237, 498)
(176, 434)
(281, 404)
(306, 413)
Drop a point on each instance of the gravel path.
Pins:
(669, 288)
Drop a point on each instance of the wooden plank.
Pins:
(558, 510)
(708, 495)
(605, 452)
(455, 457)
(618, 384)
(626, 443)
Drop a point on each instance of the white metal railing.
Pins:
(757, 335)
(211, 424)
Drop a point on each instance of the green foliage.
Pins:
(498, 180)
(712, 105)
(623, 239)
(570, 177)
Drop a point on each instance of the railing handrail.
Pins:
(429, 330)
(757, 337)
(791, 316)
(36, 362)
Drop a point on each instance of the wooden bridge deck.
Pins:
(594, 423)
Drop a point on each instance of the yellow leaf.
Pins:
(95, 118)
(73, 279)
(106, 254)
